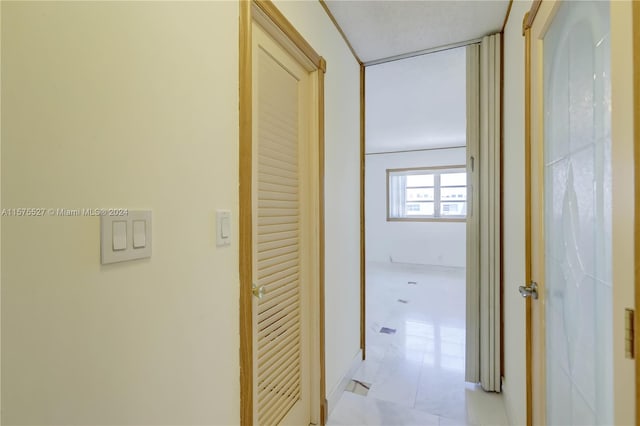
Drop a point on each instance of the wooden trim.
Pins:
(501, 213)
(363, 267)
(531, 15)
(245, 217)
(339, 28)
(286, 27)
(321, 263)
(506, 17)
(527, 210)
(636, 167)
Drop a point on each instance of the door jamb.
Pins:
(526, 32)
(294, 41)
(636, 167)
(527, 22)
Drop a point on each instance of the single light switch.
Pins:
(139, 234)
(119, 235)
(223, 225)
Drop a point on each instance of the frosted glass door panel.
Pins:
(577, 217)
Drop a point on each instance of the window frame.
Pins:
(436, 171)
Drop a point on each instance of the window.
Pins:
(427, 194)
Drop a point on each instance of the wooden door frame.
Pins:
(535, 251)
(292, 41)
(526, 32)
(636, 167)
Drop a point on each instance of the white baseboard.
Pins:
(336, 393)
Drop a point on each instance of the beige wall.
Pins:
(119, 105)
(134, 105)
(514, 384)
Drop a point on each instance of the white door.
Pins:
(281, 236)
(572, 207)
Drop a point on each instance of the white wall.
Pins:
(514, 389)
(417, 102)
(110, 104)
(342, 185)
(428, 243)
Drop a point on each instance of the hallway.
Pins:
(111, 108)
(415, 366)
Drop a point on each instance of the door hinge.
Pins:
(629, 333)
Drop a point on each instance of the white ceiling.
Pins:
(382, 29)
(416, 103)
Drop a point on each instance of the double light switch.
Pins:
(125, 237)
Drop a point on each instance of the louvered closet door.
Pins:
(280, 131)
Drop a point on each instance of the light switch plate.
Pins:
(109, 253)
(223, 228)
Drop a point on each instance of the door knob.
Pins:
(529, 291)
(258, 291)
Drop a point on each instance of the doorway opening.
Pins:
(415, 154)
(416, 206)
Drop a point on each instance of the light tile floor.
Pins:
(417, 373)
